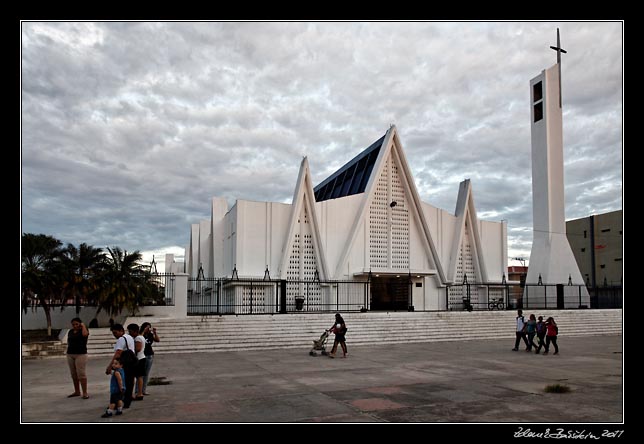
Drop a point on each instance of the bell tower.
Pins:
(551, 259)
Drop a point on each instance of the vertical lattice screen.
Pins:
(378, 239)
(464, 265)
(399, 222)
(302, 263)
(255, 297)
(389, 226)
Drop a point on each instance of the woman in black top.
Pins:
(77, 356)
(150, 335)
(339, 328)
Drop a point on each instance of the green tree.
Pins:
(84, 267)
(41, 268)
(126, 282)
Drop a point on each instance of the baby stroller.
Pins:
(320, 344)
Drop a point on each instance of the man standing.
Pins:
(123, 342)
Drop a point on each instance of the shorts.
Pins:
(116, 397)
(77, 366)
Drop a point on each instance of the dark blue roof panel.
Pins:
(352, 178)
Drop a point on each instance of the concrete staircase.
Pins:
(254, 332)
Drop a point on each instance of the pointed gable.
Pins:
(467, 254)
(390, 207)
(302, 254)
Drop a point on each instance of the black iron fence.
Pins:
(473, 296)
(163, 285)
(257, 296)
(476, 296)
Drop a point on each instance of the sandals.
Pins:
(85, 396)
(73, 395)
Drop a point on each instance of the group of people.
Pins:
(128, 378)
(546, 332)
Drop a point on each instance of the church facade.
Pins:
(365, 222)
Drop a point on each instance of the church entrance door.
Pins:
(390, 293)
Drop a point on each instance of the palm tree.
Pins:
(83, 266)
(40, 257)
(125, 282)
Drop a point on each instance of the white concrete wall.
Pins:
(264, 226)
(336, 218)
(494, 255)
(442, 226)
(205, 241)
(194, 250)
(230, 241)
(219, 208)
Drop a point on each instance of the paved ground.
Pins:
(455, 382)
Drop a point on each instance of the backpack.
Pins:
(127, 356)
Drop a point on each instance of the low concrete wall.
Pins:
(35, 318)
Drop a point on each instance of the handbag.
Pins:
(127, 356)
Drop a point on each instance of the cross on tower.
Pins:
(559, 50)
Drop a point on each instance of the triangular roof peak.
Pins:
(390, 146)
(466, 213)
(303, 197)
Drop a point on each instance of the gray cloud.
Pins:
(128, 129)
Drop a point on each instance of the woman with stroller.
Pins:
(339, 329)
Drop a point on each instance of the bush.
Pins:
(556, 388)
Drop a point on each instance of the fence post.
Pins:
(283, 296)
(217, 287)
(181, 295)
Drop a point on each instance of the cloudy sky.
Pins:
(128, 129)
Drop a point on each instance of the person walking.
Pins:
(551, 335)
(541, 334)
(151, 336)
(77, 357)
(520, 333)
(531, 331)
(339, 329)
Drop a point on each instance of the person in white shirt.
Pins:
(521, 327)
(139, 367)
(123, 342)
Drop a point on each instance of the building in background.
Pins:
(516, 274)
(597, 244)
(364, 223)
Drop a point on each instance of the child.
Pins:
(117, 389)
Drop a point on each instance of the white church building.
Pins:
(365, 222)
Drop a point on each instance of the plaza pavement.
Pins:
(454, 382)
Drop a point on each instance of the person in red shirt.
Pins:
(551, 335)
